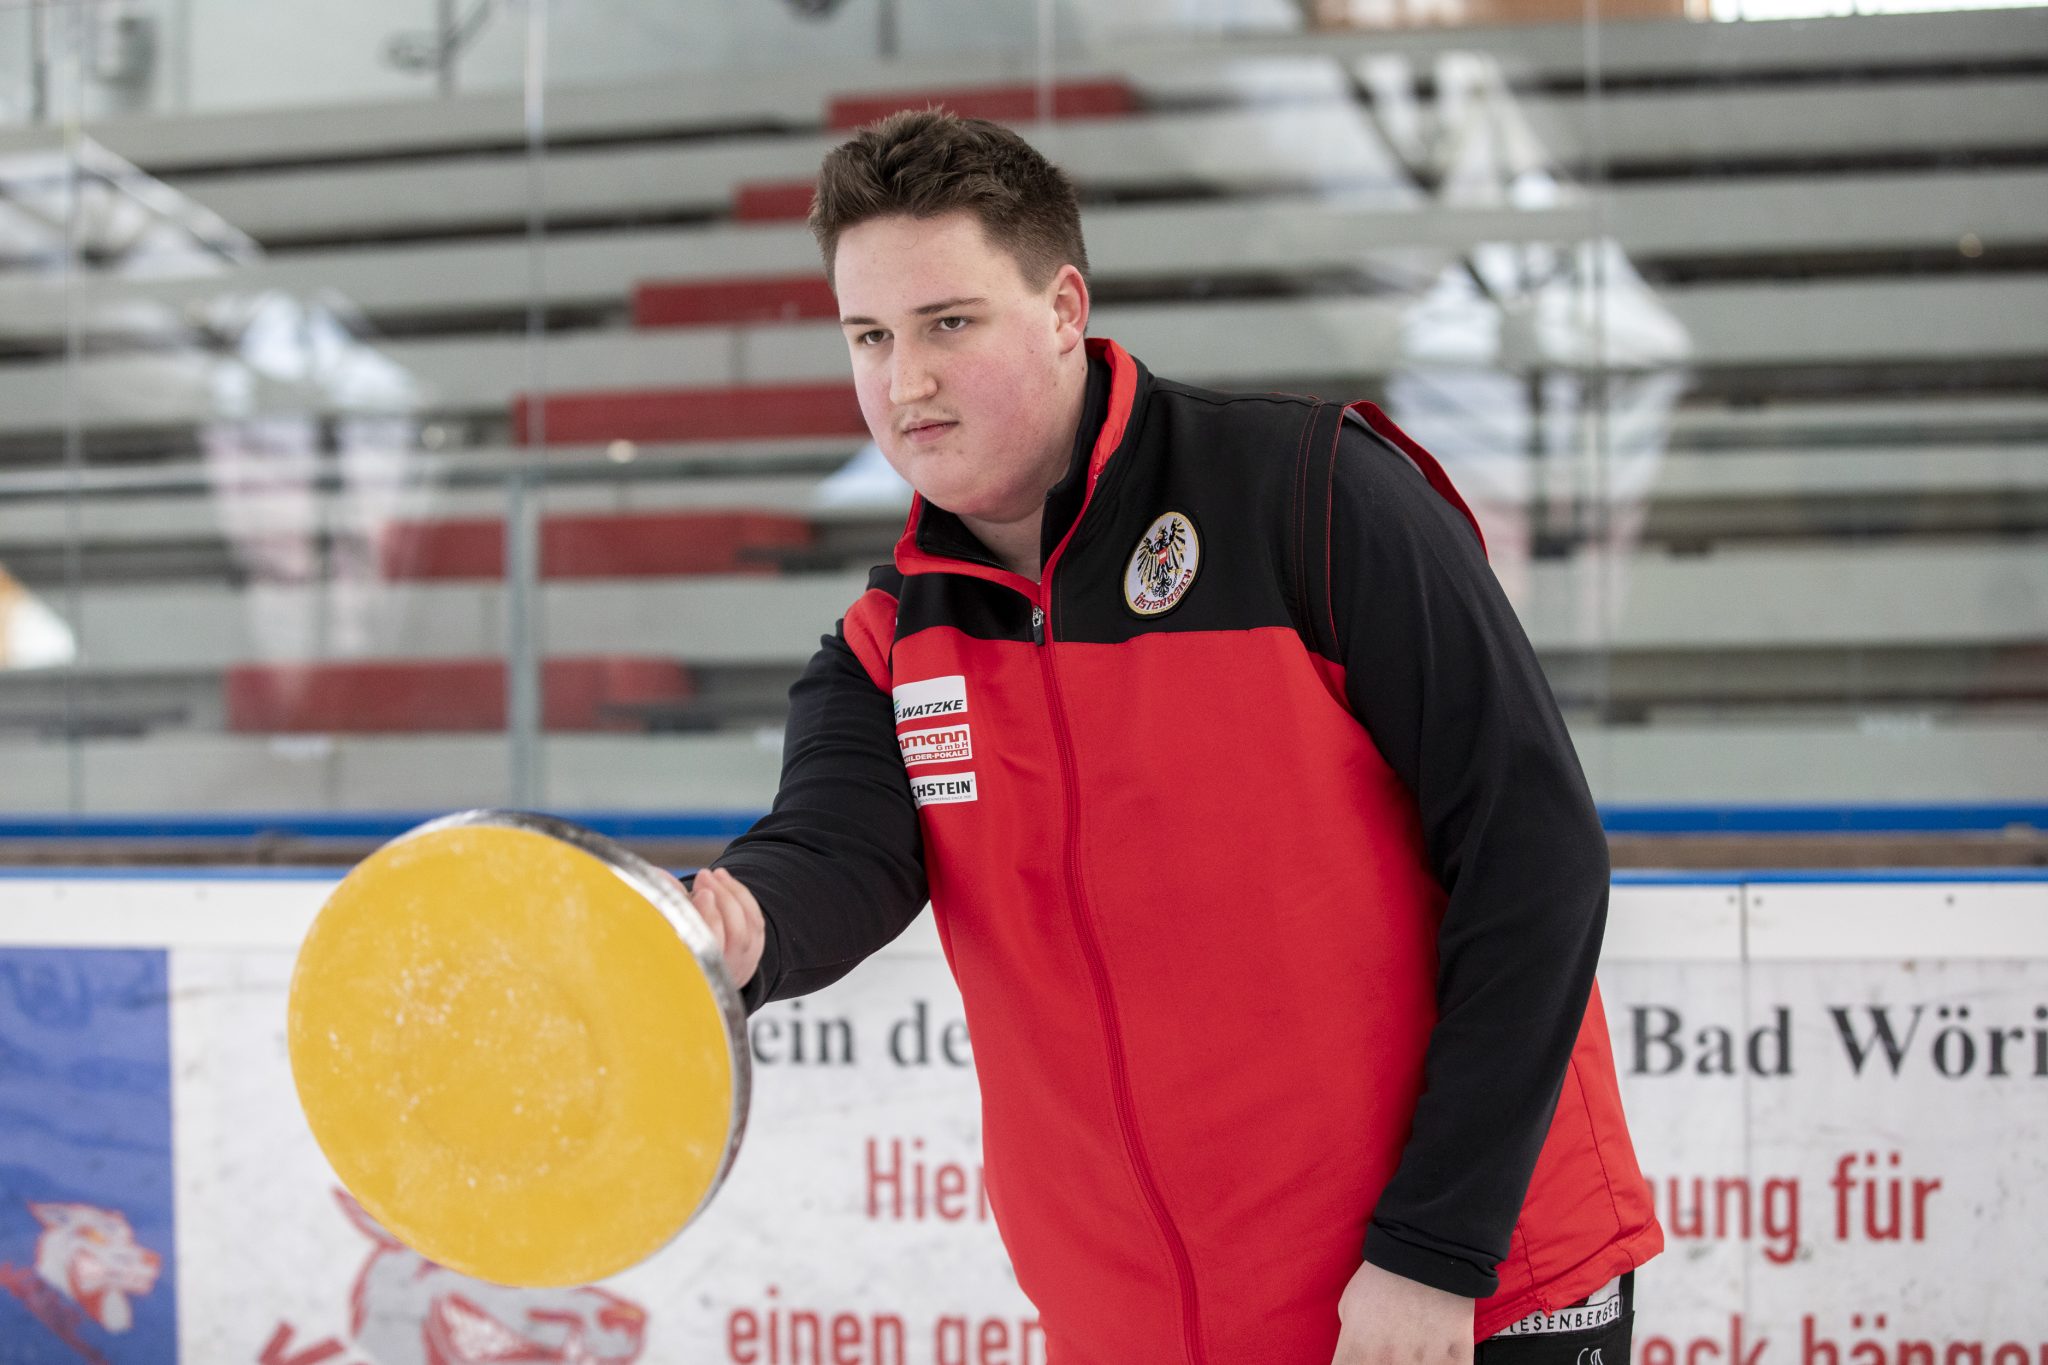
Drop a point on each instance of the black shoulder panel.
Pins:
(1229, 465)
(974, 606)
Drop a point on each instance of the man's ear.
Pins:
(1070, 305)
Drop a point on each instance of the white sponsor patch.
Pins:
(1163, 566)
(944, 789)
(944, 744)
(931, 698)
(1601, 1309)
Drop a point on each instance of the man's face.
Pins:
(958, 361)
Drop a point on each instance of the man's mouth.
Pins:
(927, 431)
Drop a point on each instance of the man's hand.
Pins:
(733, 916)
(1391, 1320)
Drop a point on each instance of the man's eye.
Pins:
(944, 328)
(869, 338)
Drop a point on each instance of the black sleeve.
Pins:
(837, 864)
(1439, 671)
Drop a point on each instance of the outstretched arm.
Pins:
(835, 870)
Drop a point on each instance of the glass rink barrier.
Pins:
(1837, 1086)
(409, 406)
(417, 406)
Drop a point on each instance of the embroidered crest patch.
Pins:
(1162, 566)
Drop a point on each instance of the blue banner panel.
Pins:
(86, 1225)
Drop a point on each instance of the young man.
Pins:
(1256, 844)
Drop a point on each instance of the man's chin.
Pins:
(958, 505)
(979, 512)
(950, 494)
(946, 498)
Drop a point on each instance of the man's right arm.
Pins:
(837, 865)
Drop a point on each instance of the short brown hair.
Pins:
(923, 163)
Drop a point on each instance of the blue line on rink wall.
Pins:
(87, 1271)
(1890, 876)
(1949, 819)
(630, 825)
(100, 872)
(357, 825)
(1621, 877)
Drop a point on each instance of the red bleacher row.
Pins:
(400, 696)
(618, 545)
(406, 696)
(692, 303)
(723, 414)
(1014, 103)
(620, 693)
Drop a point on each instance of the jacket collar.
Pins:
(931, 532)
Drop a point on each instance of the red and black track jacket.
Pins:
(1270, 880)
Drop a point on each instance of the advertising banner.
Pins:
(1838, 1091)
(1845, 1123)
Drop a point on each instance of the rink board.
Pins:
(1838, 1088)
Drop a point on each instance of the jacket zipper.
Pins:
(1091, 950)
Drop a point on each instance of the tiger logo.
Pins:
(90, 1256)
(1163, 565)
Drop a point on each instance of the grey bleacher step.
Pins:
(1166, 67)
(1689, 501)
(1310, 146)
(1834, 761)
(1233, 345)
(1291, 236)
(1861, 593)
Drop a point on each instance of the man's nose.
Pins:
(911, 380)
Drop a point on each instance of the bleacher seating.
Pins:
(445, 696)
(620, 545)
(1015, 103)
(1808, 566)
(694, 303)
(717, 414)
